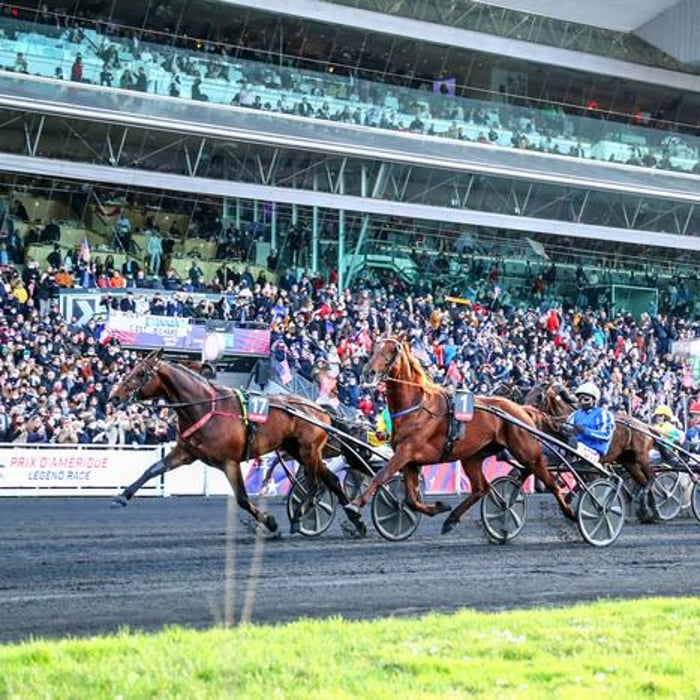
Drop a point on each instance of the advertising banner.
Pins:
(73, 467)
(180, 334)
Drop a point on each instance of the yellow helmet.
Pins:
(663, 411)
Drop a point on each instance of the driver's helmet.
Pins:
(590, 389)
(663, 412)
(694, 407)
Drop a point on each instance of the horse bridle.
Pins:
(390, 360)
(149, 371)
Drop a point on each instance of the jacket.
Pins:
(596, 425)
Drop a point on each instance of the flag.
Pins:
(284, 372)
(453, 373)
(85, 253)
(104, 336)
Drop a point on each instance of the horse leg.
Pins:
(540, 470)
(310, 464)
(397, 462)
(641, 473)
(232, 468)
(412, 481)
(175, 458)
(636, 471)
(479, 488)
(332, 481)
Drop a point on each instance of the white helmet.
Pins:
(589, 388)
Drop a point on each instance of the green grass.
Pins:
(632, 649)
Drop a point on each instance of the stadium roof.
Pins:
(619, 15)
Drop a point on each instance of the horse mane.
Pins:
(417, 370)
(192, 368)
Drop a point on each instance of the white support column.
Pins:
(314, 232)
(341, 240)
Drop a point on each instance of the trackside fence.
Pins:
(102, 470)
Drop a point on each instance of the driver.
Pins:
(666, 425)
(591, 424)
(693, 435)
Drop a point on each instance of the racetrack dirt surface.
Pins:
(75, 567)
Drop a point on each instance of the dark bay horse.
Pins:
(629, 448)
(419, 411)
(213, 429)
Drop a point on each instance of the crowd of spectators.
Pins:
(149, 62)
(56, 374)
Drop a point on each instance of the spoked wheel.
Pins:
(667, 495)
(601, 513)
(695, 500)
(354, 483)
(321, 511)
(391, 515)
(503, 509)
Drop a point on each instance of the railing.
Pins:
(166, 70)
(529, 26)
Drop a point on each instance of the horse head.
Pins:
(508, 389)
(552, 398)
(142, 382)
(535, 396)
(558, 401)
(386, 354)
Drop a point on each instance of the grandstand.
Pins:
(498, 153)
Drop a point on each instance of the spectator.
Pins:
(76, 71)
(106, 76)
(21, 64)
(154, 248)
(51, 233)
(197, 93)
(19, 211)
(141, 80)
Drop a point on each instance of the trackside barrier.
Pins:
(100, 470)
(74, 470)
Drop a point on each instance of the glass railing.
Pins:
(164, 70)
(529, 26)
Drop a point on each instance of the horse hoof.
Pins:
(441, 507)
(271, 524)
(295, 526)
(351, 508)
(448, 526)
(118, 502)
(361, 530)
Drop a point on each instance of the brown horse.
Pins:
(213, 428)
(420, 413)
(629, 448)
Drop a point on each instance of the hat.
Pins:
(588, 389)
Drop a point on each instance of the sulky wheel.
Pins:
(503, 509)
(601, 513)
(391, 514)
(354, 483)
(321, 511)
(695, 500)
(667, 495)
